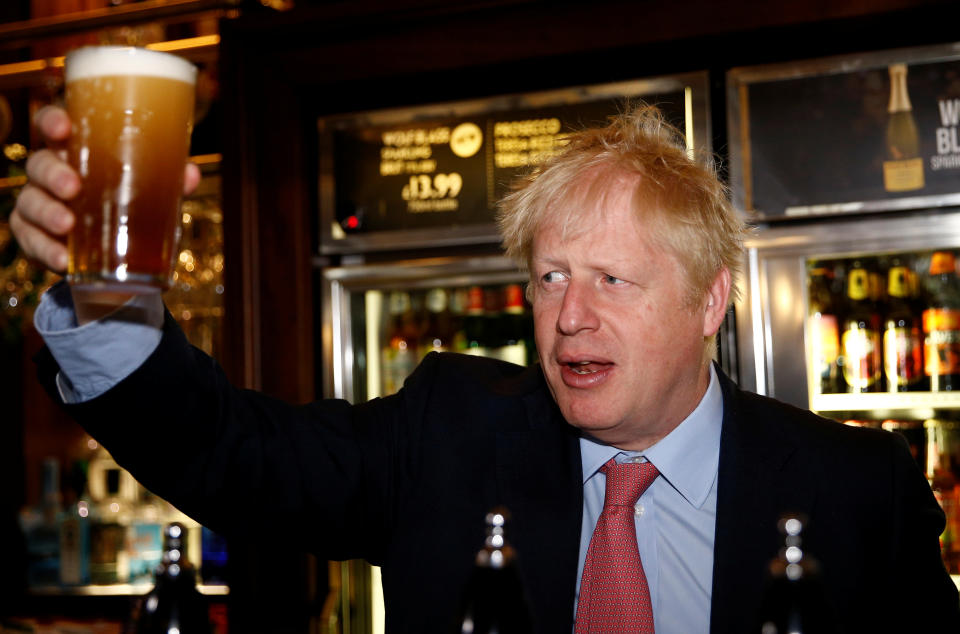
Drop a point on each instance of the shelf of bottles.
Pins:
(883, 351)
(491, 320)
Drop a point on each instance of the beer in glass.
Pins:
(132, 113)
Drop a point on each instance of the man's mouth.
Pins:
(584, 373)
(586, 367)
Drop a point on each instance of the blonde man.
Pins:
(633, 252)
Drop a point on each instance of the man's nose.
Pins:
(578, 309)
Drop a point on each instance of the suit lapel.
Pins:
(539, 478)
(754, 489)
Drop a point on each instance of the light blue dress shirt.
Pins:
(98, 355)
(675, 517)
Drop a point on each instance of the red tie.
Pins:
(614, 596)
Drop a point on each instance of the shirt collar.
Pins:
(687, 457)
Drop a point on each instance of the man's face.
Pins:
(621, 349)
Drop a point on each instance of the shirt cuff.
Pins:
(98, 355)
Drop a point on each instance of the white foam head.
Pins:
(102, 61)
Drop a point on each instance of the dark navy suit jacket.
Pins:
(404, 482)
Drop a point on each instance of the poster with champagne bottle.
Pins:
(845, 135)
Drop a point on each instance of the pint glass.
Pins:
(132, 113)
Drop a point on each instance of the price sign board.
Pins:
(432, 175)
(852, 134)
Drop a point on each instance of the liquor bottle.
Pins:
(75, 527)
(794, 601)
(493, 336)
(494, 600)
(174, 604)
(75, 544)
(903, 169)
(399, 354)
(941, 324)
(439, 332)
(943, 473)
(145, 537)
(860, 342)
(824, 330)
(511, 327)
(475, 323)
(902, 335)
(109, 522)
(41, 529)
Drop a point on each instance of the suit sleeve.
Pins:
(926, 598)
(236, 460)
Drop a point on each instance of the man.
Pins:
(633, 252)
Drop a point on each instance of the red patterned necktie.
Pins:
(614, 596)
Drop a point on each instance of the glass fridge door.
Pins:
(380, 320)
(859, 321)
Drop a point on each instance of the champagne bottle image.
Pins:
(903, 167)
(174, 604)
(494, 600)
(794, 601)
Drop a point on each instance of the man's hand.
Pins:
(42, 218)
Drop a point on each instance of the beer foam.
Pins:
(103, 61)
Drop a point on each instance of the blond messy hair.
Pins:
(678, 199)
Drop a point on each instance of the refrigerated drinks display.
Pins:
(851, 294)
(859, 321)
(385, 319)
(900, 332)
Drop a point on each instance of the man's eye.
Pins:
(552, 277)
(609, 279)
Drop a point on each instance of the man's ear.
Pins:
(715, 307)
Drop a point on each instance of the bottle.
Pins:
(902, 338)
(75, 544)
(860, 341)
(174, 604)
(439, 332)
(794, 601)
(145, 537)
(475, 323)
(109, 516)
(903, 169)
(494, 600)
(511, 327)
(75, 527)
(399, 354)
(942, 469)
(824, 330)
(41, 529)
(941, 324)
